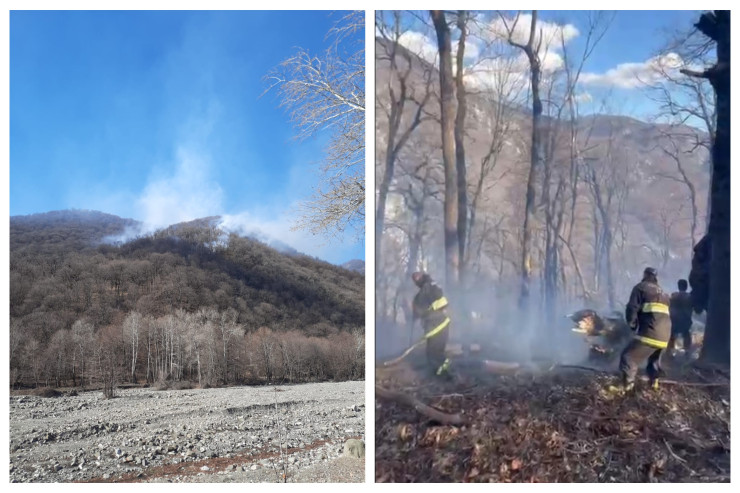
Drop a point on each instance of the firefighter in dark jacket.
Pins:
(429, 306)
(648, 314)
(681, 309)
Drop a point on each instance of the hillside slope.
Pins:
(63, 272)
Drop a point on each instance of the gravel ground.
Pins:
(232, 434)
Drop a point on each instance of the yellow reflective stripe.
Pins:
(440, 303)
(652, 342)
(444, 366)
(655, 308)
(439, 328)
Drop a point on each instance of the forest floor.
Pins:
(285, 433)
(554, 424)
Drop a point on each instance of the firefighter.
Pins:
(429, 306)
(648, 314)
(681, 309)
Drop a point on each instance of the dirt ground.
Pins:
(553, 425)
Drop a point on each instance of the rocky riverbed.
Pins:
(236, 434)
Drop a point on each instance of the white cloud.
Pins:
(504, 76)
(633, 75)
(426, 47)
(584, 97)
(509, 66)
(551, 31)
(551, 35)
(472, 51)
(419, 44)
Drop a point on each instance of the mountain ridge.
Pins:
(132, 228)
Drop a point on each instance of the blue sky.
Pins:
(157, 116)
(631, 41)
(633, 37)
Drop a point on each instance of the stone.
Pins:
(354, 448)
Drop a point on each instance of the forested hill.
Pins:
(67, 269)
(61, 271)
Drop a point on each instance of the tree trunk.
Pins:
(716, 347)
(462, 184)
(536, 160)
(447, 109)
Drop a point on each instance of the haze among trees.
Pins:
(493, 178)
(189, 303)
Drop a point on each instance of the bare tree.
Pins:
(228, 329)
(132, 327)
(402, 96)
(82, 335)
(715, 25)
(562, 174)
(532, 50)
(684, 100)
(327, 93)
(416, 197)
(498, 99)
(671, 148)
(607, 178)
(447, 111)
(462, 182)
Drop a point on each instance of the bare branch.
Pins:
(327, 94)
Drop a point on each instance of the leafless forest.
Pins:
(525, 199)
(186, 305)
(523, 207)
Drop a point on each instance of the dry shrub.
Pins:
(47, 392)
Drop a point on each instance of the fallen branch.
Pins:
(694, 384)
(420, 407)
(579, 367)
(680, 459)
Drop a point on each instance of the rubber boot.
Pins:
(444, 370)
(621, 389)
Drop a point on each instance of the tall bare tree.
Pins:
(448, 115)
(672, 149)
(402, 96)
(532, 50)
(132, 329)
(683, 99)
(561, 174)
(716, 26)
(327, 94)
(462, 182)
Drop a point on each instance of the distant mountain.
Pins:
(356, 265)
(620, 158)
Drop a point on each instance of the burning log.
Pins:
(613, 332)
